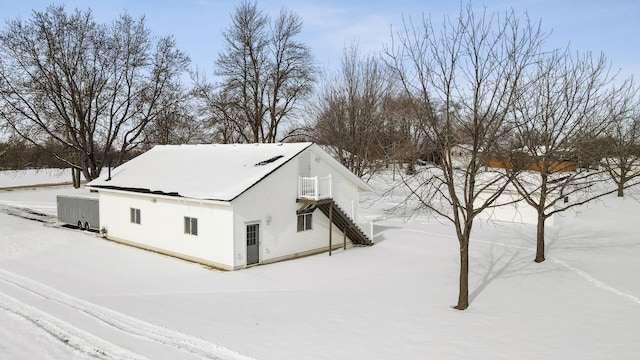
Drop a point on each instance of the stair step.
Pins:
(346, 224)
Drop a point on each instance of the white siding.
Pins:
(304, 164)
(272, 203)
(345, 193)
(162, 226)
(221, 239)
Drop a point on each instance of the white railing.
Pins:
(314, 188)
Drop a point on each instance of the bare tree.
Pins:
(90, 87)
(620, 151)
(570, 101)
(350, 109)
(177, 121)
(18, 154)
(222, 118)
(463, 79)
(265, 73)
(408, 138)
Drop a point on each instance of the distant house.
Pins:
(527, 158)
(553, 166)
(232, 206)
(461, 155)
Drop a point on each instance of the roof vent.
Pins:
(269, 161)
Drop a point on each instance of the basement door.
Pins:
(253, 244)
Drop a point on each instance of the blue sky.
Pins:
(612, 27)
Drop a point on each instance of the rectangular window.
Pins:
(304, 221)
(134, 215)
(190, 225)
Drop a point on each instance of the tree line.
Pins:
(465, 109)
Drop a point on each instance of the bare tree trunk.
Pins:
(75, 175)
(463, 292)
(540, 239)
(621, 189)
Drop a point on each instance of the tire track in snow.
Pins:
(29, 214)
(583, 274)
(128, 324)
(85, 343)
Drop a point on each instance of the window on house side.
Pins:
(190, 225)
(134, 215)
(304, 221)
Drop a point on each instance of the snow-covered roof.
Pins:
(211, 172)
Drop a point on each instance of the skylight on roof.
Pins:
(269, 161)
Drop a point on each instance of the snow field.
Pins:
(389, 301)
(117, 320)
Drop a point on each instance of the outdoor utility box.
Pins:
(82, 211)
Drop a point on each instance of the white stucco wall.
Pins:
(162, 225)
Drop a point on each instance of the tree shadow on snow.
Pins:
(588, 238)
(511, 249)
(498, 261)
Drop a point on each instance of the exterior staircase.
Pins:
(317, 193)
(340, 219)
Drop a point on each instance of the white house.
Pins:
(461, 156)
(232, 206)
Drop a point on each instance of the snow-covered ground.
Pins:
(14, 178)
(67, 294)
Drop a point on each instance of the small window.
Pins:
(190, 225)
(134, 215)
(304, 221)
